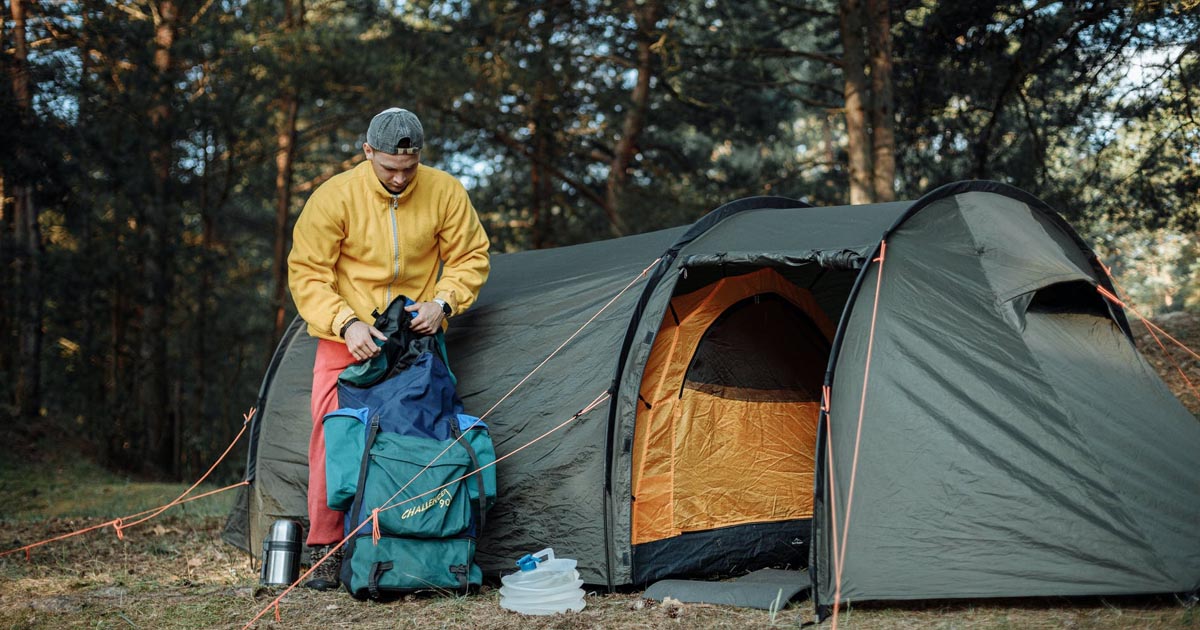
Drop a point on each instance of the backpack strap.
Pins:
(377, 571)
(356, 507)
(461, 571)
(372, 432)
(477, 508)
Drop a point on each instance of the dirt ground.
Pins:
(175, 572)
(178, 574)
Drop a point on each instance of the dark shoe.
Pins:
(325, 577)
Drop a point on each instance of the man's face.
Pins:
(395, 172)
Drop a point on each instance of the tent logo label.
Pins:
(442, 500)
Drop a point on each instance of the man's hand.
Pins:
(429, 317)
(359, 340)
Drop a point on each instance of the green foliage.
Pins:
(1091, 106)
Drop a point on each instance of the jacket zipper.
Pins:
(395, 250)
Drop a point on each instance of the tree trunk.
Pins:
(27, 240)
(539, 181)
(646, 15)
(153, 382)
(7, 292)
(7, 282)
(285, 153)
(536, 226)
(92, 312)
(883, 136)
(117, 378)
(201, 327)
(827, 130)
(855, 91)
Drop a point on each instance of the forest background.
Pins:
(154, 155)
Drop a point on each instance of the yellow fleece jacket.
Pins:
(357, 246)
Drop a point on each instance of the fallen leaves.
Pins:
(672, 608)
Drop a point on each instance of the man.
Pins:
(366, 236)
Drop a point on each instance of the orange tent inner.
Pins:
(731, 395)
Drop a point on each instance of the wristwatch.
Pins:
(445, 306)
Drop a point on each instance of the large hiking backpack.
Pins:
(407, 434)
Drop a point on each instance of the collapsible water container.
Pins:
(545, 585)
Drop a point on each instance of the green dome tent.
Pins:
(1010, 441)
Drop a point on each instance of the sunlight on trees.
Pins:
(157, 152)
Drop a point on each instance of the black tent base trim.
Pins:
(724, 552)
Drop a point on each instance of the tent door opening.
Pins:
(724, 439)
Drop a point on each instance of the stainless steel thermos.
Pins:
(281, 554)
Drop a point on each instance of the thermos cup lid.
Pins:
(284, 530)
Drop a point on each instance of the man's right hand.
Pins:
(360, 340)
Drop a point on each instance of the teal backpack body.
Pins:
(404, 447)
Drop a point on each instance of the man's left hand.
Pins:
(429, 317)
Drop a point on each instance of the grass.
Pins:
(174, 571)
(77, 488)
(178, 575)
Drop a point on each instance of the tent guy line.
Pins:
(1154, 331)
(1178, 368)
(590, 406)
(840, 554)
(119, 524)
(479, 420)
(245, 423)
(1004, 392)
(571, 338)
(374, 518)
